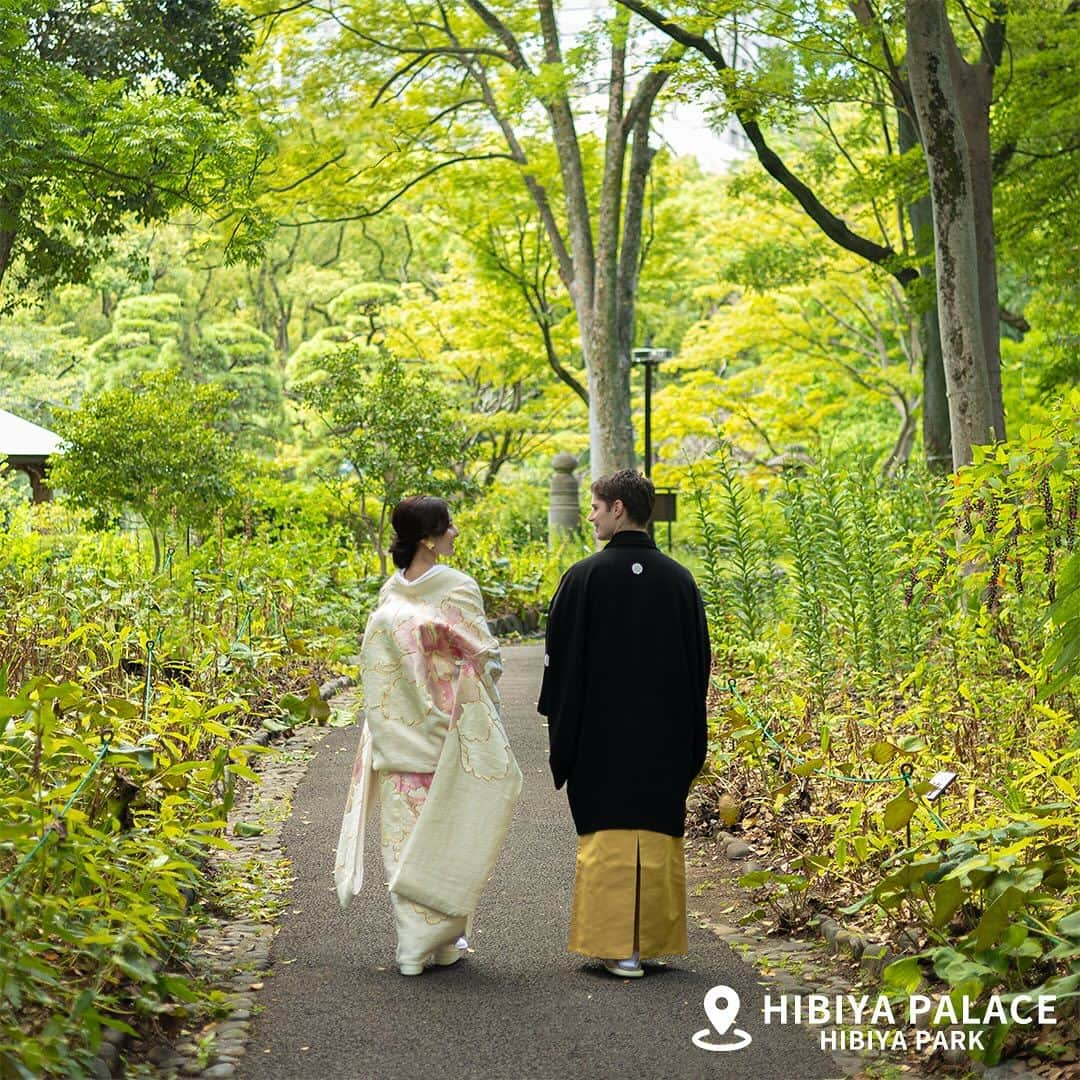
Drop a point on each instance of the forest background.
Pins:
(267, 269)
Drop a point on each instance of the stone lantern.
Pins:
(564, 509)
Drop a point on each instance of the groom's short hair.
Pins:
(635, 491)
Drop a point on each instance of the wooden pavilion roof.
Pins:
(20, 438)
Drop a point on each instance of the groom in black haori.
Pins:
(625, 679)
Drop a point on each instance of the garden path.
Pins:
(520, 1006)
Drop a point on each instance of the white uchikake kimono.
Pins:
(434, 752)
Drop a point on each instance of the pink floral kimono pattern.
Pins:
(435, 755)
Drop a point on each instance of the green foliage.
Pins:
(738, 572)
(1062, 657)
(38, 369)
(934, 628)
(110, 118)
(156, 449)
(118, 766)
(393, 429)
(513, 510)
(240, 359)
(877, 619)
(1004, 548)
(152, 332)
(1000, 905)
(142, 328)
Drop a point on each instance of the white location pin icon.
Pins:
(721, 1008)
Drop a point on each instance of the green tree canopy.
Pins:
(157, 448)
(154, 332)
(113, 113)
(393, 428)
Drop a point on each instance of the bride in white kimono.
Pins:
(433, 751)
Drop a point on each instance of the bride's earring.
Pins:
(429, 544)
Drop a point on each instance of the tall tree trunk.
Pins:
(611, 436)
(975, 89)
(641, 157)
(937, 441)
(933, 63)
(594, 287)
(592, 262)
(603, 285)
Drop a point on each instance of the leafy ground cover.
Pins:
(873, 635)
(128, 701)
(869, 635)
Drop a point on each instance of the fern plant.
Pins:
(811, 623)
(710, 580)
(834, 537)
(747, 578)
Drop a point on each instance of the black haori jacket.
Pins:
(625, 679)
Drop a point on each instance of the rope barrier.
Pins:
(764, 729)
(52, 827)
(907, 770)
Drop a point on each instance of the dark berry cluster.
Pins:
(993, 592)
(1018, 565)
(964, 518)
(909, 590)
(1047, 501)
(939, 571)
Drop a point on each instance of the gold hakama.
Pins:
(626, 877)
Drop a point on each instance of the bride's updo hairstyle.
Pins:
(414, 519)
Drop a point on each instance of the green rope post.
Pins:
(149, 672)
(908, 771)
(52, 827)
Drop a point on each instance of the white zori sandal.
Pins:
(626, 969)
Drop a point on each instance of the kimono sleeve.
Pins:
(563, 688)
(471, 639)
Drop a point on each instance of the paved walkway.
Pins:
(335, 1007)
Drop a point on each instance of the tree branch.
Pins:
(829, 223)
(360, 215)
(314, 172)
(573, 172)
(651, 85)
(532, 185)
(503, 33)
(1013, 320)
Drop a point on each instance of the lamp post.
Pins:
(649, 358)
